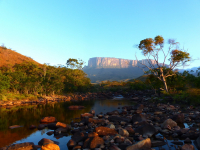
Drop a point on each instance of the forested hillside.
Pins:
(22, 75)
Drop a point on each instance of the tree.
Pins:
(151, 48)
(74, 63)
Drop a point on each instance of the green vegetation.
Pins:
(151, 48)
(29, 80)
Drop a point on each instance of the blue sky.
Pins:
(52, 31)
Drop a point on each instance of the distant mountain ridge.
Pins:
(115, 69)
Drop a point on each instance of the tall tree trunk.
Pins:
(163, 80)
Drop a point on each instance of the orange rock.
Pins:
(60, 124)
(102, 131)
(50, 147)
(48, 119)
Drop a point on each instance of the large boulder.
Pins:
(45, 141)
(49, 119)
(50, 146)
(102, 131)
(144, 144)
(169, 123)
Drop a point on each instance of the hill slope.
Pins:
(9, 57)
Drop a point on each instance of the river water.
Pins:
(31, 115)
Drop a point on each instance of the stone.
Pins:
(87, 115)
(169, 123)
(60, 124)
(21, 146)
(96, 121)
(138, 118)
(157, 143)
(144, 144)
(178, 118)
(123, 132)
(50, 132)
(130, 130)
(15, 126)
(102, 131)
(115, 112)
(45, 141)
(187, 147)
(93, 142)
(50, 146)
(146, 130)
(79, 136)
(32, 127)
(111, 126)
(118, 119)
(41, 126)
(49, 119)
(71, 143)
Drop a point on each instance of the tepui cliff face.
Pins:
(115, 69)
(108, 62)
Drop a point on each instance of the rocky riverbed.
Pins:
(145, 125)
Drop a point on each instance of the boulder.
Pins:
(45, 141)
(102, 131)
(50, 146)
(144, 144)
(187, 147)
(169, 123)
(49, 119)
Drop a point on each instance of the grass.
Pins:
(9, 96)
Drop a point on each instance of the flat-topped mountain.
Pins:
(115, 69)
(108, 62)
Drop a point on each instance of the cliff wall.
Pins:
(108, 62)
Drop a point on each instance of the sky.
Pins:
(52, 31)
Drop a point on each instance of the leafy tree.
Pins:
(74, 63)
(151, 48)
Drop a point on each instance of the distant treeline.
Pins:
(31, 78)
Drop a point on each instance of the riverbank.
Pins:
(70, 97)
(145, 125)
